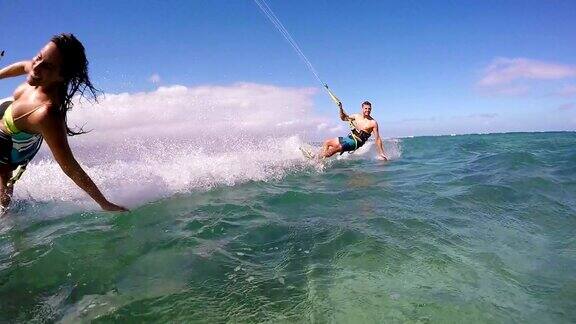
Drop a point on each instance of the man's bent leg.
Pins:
(330, 147)
(333, 150)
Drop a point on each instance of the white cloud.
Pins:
(506, 90)
(567, 106)
(567, 91)
(337, 129)
(483, 115)
(512, 76)
(505, 70)
(207, 111)
(488, 115)
(155, 78)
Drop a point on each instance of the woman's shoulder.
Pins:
(48, 110)
(43, 102)
(39, 108)
(19, 91)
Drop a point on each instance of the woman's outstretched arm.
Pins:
(54, 133)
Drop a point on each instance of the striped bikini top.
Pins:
(24, 145)
(11, 126)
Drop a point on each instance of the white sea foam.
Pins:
(146, 146)
(392, 149)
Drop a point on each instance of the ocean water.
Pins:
(229, 223)
(472, 228)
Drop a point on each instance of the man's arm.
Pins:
(15, 69)
(343, 115)
(379, 144)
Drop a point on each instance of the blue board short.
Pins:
(348, 143)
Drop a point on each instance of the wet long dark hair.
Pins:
(74, 70)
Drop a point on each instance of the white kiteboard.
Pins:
(307, 152)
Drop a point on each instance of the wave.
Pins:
(148, 146)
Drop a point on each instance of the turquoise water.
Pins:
(462, 229)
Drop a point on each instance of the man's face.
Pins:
(366, 109)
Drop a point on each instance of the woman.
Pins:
(53, 77)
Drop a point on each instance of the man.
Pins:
(364, 125)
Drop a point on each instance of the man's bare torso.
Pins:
(362, 123)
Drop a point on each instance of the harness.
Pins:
(359, 136)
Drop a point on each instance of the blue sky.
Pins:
(429, 67)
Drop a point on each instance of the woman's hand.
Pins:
(108, 206)
(53, 129)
